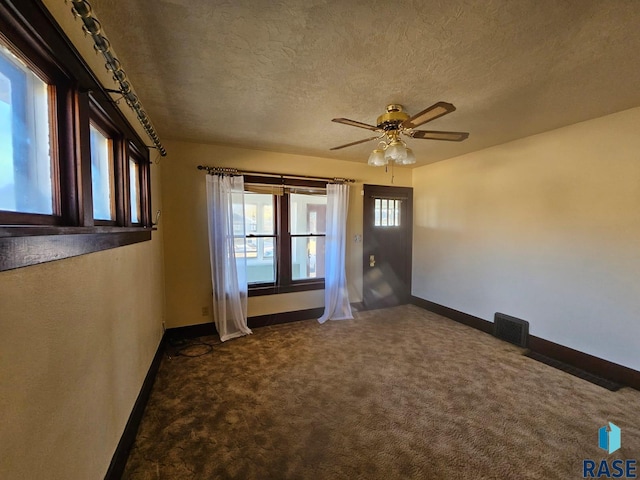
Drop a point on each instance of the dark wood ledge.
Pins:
(23, 251)
(40, 230)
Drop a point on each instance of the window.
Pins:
(307, 223)
(102, 175)
(134, 190)
(70, 165)
(386, 212)
(260, 238)
(26, 183)
(285, 235)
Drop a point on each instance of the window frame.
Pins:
(281, 215)
(76, 99)
(133, 152)
(58, 86)
(261, 236)
(393, 221)
(23, 105)
(105, 126)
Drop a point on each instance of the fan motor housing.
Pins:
(392, 119)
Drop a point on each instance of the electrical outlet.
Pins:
(205, 311)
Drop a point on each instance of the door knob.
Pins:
(372, 260)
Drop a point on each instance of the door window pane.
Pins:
(386, 212)
(102, 176)
(134, 190)
(25, 156)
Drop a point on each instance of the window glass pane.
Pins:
(236, 207)
(250, 217)
(307, 213)
(307, 257)
(134, 190)
(259, 247)
(258, 211)
(261, 258)
(25, 159)
(102, 176)
(386, 212)
(396, 222)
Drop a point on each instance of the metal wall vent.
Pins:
(511, 329)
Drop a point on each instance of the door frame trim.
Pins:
(389, 191)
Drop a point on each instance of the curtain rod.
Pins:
(82, 9)
(235, 171)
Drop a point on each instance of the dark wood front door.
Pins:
(387, 233)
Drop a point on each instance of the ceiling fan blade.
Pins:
(353, 123)
(353, 143)
(436, 135)
(434, 111)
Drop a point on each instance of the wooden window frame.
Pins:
(76, 98)
(284, 282)
(144, 184)
(104, 125)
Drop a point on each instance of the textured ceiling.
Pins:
(272, 74)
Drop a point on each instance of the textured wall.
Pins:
(545, 228)
(77, 337)
(188, 277)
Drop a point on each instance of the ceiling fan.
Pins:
(394, 123)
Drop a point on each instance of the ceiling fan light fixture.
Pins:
(396, 151)
(377, 158)
(410, 159)
(391, 125)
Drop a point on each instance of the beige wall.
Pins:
(188, 277)
(77, 337)
(546, 228)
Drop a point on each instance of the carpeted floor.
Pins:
(394, 394)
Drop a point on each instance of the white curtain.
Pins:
(225, 207)
(336, 297)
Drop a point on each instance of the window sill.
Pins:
(22, 246)
(41, 230)
(259, 290)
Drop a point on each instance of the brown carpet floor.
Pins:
(394, 394)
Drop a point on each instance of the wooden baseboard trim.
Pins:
(191, 331)
(284, 317)
(120, 456)
(205, 329)
(358, 307)
(460, 317)
(595, 365)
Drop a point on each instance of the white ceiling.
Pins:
(272, 74)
